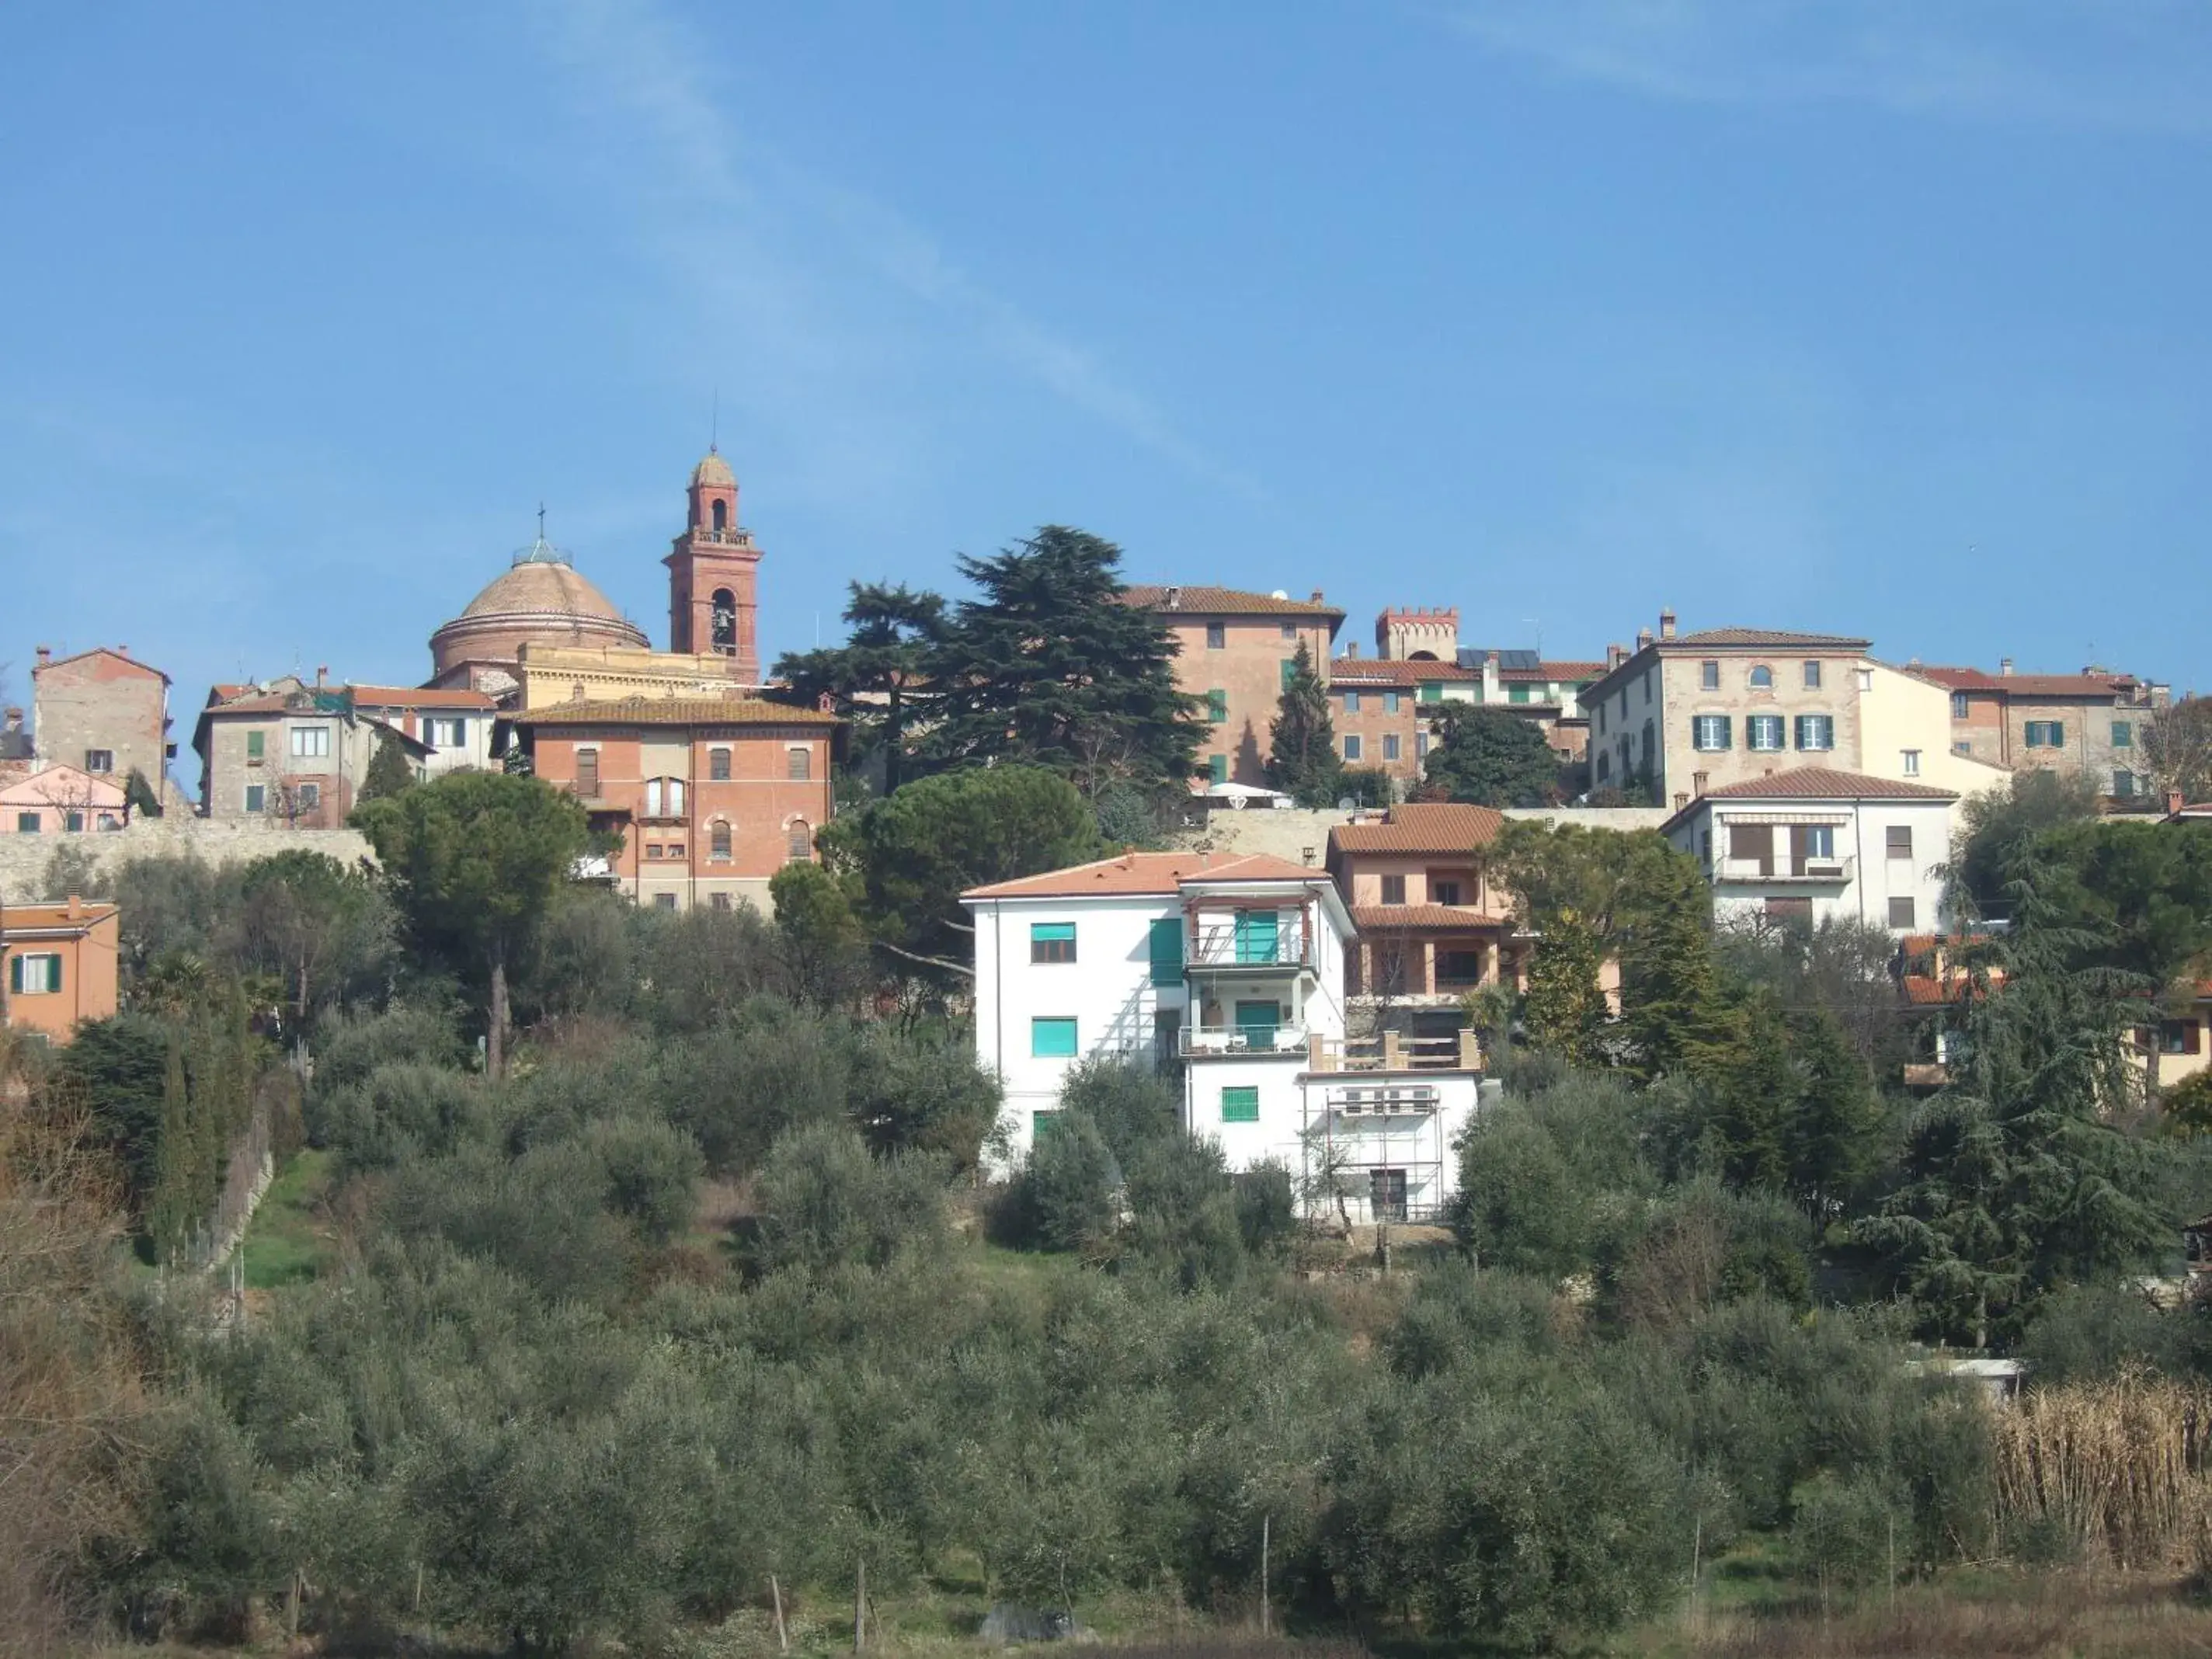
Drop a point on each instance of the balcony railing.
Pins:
(1197, 1042)
(1394, 1051)
(1813, 871)
(1225, 949)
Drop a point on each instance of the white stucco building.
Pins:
(1812, 844)
(1230, 971)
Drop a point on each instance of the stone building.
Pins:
(1234, 653)
(2090, 722)
(297, 754)
(103, 712)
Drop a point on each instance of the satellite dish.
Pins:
(1347, 804)
(1279, 594)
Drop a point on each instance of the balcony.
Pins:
(1810, 871)
(1223, 949)
(1205, 1042)
(1394, 1051)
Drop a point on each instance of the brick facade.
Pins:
(1232, 651)
(102, 712)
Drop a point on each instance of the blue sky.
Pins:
(1887, 317)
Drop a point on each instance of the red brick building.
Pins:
(1234, 651)
(710, 796)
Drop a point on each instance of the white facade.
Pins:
(1871, 858)
(1234, 976)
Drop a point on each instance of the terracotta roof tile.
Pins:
(1820, 783)
(2028, 685)
(1423, 918)
(16, 918)
(1358, 672)
(1765, 637)
(1421, 827)
(1136, 874)
(1545, 674)
(403, 697)
(115, 651)
(674, 711)
(1222, 602)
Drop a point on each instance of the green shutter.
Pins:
(1052, 930)
(1518, 694)
(1290, 669)
(16, 976)
(1240, 1105)
(1432, 691)
(1256, 935)
(1216, 767)
(253, 745)
(1167, 950)
(2124, 734)
(1257, 1021)
(1052, 1038)
(1217, 705)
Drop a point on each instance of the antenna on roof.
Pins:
(714, 426)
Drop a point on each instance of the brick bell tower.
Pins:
(712, 569)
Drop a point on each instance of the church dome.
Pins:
(541, 598)
(715, 471)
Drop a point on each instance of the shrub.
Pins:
(401, 1110)
(823, 1201)
(348, 1047)
(653, 1174)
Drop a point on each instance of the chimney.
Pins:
(1698, 783)
(1305, 855)
(46, 654)
(1643, 639)
(1682, 799)
(14, 720)
(322, 676)
(75, 910)
(2174, 802)
(1316, 597)
(2004, 666)
(1667, 625)
(1351, 647)
(1174, 598)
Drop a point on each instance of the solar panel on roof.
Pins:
(1519, 659)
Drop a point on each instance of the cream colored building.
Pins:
(553, 674)
(1904, 733)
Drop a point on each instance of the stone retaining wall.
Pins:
(24, 859)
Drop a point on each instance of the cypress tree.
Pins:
(1303, 759)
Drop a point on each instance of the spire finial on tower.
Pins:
(714, 426)
(541, 521)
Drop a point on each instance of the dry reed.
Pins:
(2119, 1465)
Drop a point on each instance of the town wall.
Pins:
(24, 859)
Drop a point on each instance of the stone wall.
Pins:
(24, 859)
(1290, 833)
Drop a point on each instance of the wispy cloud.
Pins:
(2130, 63)
(634, 61)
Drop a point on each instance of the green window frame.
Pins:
(1217, 705)
(257, 798)
(1053, 1036)
(1052, 941)
(29, 823)
(1816, 732)
(1217, 768)
(1290, 669)
(1518, 694)
(2124, 734)
(1043, 1124)
(1240, 1103)
(1166, 950)
(254, 740)
(1431, 691)
(2046, 734)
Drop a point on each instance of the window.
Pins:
(1445, 892)
(1763, 732)
(1816, 732)
(1052, 1036)
(1516, 694)
(1289, 630)
(2124, 784)
(1216, 704)
(798, 764)
(1351, 746)
(27, 823)
(310, 742)
(587, 771)
(664, 798)
(1421, 743)
(2180, 1036)
(103, 760)
(2124, 736)
(1217, 636)
(1651, 745)
(254, 741)
(1911, 759)
(1389, 702)
(1043, 1124)
(1819, 841)
(1288, 672)
(1166, 950)
(1960, 706)
(449, 734)
(1866, 679)
(1431, 691)
(1812, 675)
(1901, 912)
(798, 841)
(72, 821)
(1217, 768)
(722, 617)
(1647, 691)
(1962, 747)
(310, 796)
(1896, 841)
(1240, 1105)
(664, 901)
(1709, 676)
(718, 766)
(1601, 719)
(1386, 1194)
(718, 840)
(2046, 734)
(1604, 768)
(257, 798)
(1351, 702)
(32, 976)
(718, 901)
(1762, 677)
(1052, 941)
(720, 516)
(1389, 745)
(1394, 889)
(1709, 732)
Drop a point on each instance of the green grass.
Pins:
(288, 1241)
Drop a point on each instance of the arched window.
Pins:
(664, 798)
(798, 841)
(1762, 679)
(725, 637)
(718, 840)
(721, 516)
